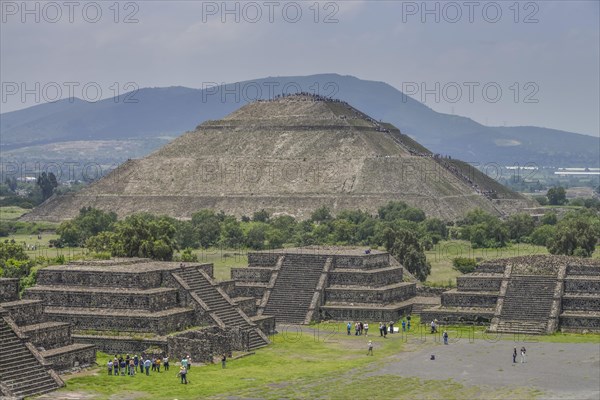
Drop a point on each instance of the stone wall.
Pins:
(9, 289)
(152, 300)
(370, 261)
(580, 322)
(205, 344)
(65, 361)
(247, 304)
(582, 285)
(491, 268)
(140, 280)
(26, 313)
(256, 274)
(262, 259)
(456, 299)
(428, 291)
(249, 290)
(363, 314)
(166, 323)
(479, 317)
(50, 336)
(478, 283)
(266, 323)
(581, 303)
(589, 270)
(228, 287)
(368, 295)
(365, 278)
(120, 345)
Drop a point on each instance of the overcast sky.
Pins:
(543, 56)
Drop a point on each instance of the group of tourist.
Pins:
(361, 328)
(129, 365)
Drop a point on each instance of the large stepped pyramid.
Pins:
(525, 295)
(307, 284)
(289, 155)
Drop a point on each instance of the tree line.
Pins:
(402, 230)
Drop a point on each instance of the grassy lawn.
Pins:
(297, 365)
(11, 213)
(223, 260)
(42, 246)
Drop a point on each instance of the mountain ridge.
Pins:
(171, 111)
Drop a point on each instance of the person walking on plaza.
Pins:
(184, 362)
(349, 328)
(445, 336)
(523, 354)
(370, 344)
(514, 355)
(110, 367)
(223, 361)
(183, 374)
(366, 329)
(147, 365)
(166, 363)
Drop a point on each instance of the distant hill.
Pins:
(289, 156)
(161, 114)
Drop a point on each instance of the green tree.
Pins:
(47, 183)
(520, 226)
(255, 237)
(407, 250)
(139, 235)
(89, 222)
(276, 238)
(557, 196)
(542, 234)
(321, 214)
(549, 219)
(207, 225)
(464, 265)
(261, 216)
(575, 235)
(232, 235)
(343, 231)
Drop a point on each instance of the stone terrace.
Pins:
(304, 284)
(531, 295)
(137, 296)
(52, 339)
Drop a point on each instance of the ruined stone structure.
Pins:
(138, 297)
(531, 295)
(32, 349)
(289, 156)
(312, 283)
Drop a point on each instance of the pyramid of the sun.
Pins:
(290, 155)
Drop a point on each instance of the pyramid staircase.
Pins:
(298, 280)
(23, 373)
(219, 306)
(527, 304)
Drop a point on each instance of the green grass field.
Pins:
(297, 365)
(11, 213)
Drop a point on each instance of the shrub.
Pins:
(464, 265)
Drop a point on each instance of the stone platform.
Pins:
(300, 285)
(530, 295)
